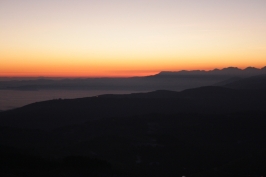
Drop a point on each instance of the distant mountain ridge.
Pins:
(249, 71)
(165, 80)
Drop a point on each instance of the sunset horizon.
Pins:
(124, 39)
(127, 74)
(132, 88)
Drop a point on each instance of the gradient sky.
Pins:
(98, 38)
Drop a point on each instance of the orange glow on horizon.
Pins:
(129, 38)
(64, 72)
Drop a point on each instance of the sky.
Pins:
(121, 38)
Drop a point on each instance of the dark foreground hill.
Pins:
(205, 100)
(207, 131)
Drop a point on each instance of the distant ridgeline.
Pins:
(165, 80)
(230, 71)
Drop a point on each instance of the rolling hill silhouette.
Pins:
(56, 113)
(205, 131)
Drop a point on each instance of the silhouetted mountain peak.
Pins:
(231, 68)
(251, 68)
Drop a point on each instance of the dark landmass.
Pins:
(258, 82)
(228, 81)
(205, 100)
(207, 131)
(165, 80)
